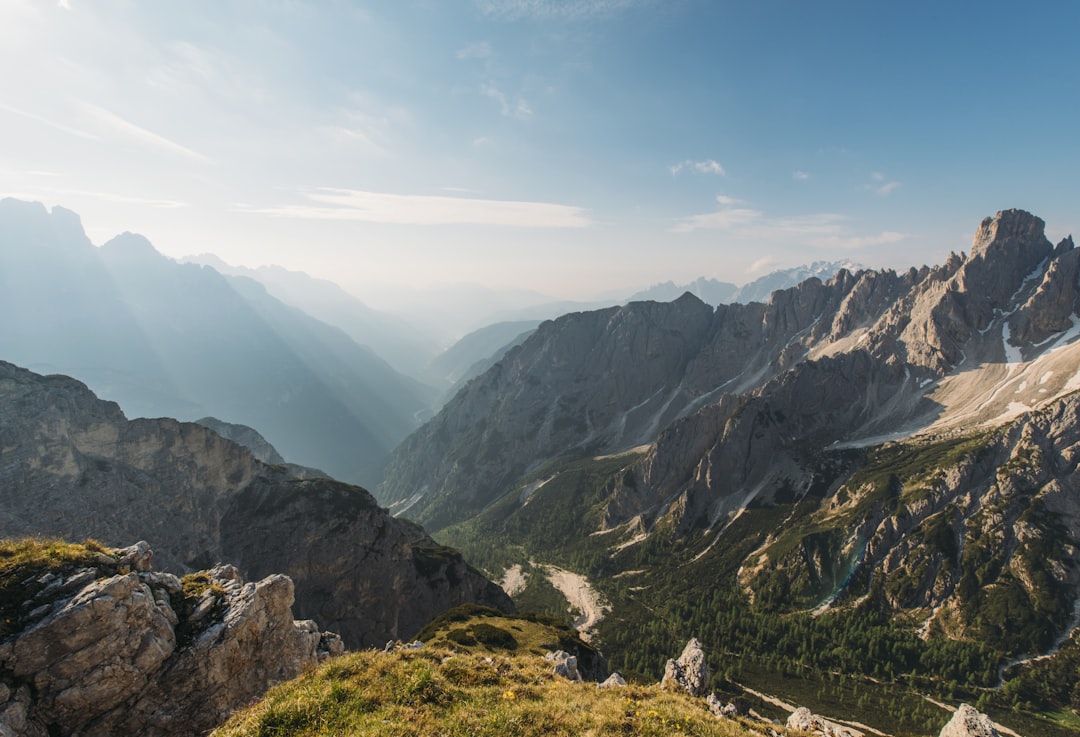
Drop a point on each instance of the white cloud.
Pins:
(552, 9)
(113, 197)
(820, 230)
(724, 201)
(142, 135)
(355, 137)
(800, 176)
(880, 186)
(479, 50)
(768, 262)
(708, 166)
(50, 123)
(519, 108)
(380, 207)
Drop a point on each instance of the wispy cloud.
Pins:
(356, 137)
(552, 9)
(142, 135)
(800, 176)
(50, 123)
(880, 185)
(381, 207)
(701, 167)
(113, 197)
(762, 264)
(727, 217)
(479, 50)
(821, 230)
(519, 108)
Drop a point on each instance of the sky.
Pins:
(572, 147)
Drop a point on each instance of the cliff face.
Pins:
(106, 646)
(737, 401)
(71, 465)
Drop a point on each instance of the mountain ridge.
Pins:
(72, 465)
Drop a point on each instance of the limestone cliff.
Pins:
(101, 645)
(72, 465)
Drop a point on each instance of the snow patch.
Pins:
(1013, 354)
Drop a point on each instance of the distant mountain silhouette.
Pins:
(400, 343)
(181, 340)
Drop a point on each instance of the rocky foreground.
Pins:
(99, 644)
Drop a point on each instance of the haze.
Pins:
(572, 147)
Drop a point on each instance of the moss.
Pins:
(24, 561)
(194, 588)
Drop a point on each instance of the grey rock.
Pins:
(108, 660)
(565, 665)
(969, 722)
(803, 719)
(689, 673)
(615, 680)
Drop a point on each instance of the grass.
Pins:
(24, 561)
(435, 691)
(478, 630)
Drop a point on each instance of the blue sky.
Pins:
(567, 146)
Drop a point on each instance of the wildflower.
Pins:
(509, 695)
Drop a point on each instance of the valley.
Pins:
(860, 494)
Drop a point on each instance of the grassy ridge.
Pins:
(436, 691)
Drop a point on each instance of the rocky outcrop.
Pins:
(803, 720)
(969, 722)
(103, 649)
(72, 465)
(689, 673)
(564, 665)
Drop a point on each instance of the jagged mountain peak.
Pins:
(864, 355)
(1007, 227)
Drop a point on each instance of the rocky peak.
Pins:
(689, 673)
(968, 722)
(131, 248)
(1008, 228)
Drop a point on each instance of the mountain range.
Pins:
(183, 341)
(888, 448)
(715, 292)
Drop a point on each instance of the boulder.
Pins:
(803, 719)
(566, 665)
(613, 681)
